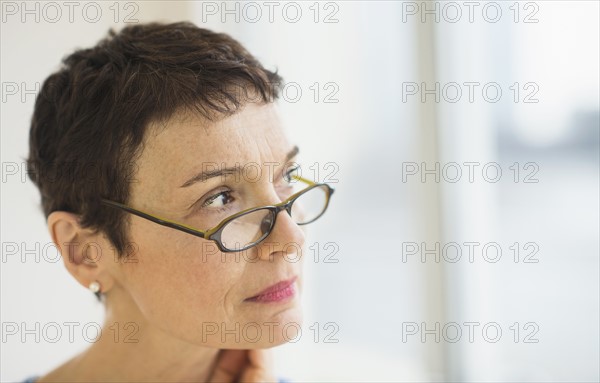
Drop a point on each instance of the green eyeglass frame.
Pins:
(214, 234)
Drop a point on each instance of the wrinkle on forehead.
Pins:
(178, 148)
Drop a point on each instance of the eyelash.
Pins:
(228, 192)
(209, 200)
(287, 176)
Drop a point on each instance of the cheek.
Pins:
(180, 284)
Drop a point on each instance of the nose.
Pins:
(267, 222)
(285, 236)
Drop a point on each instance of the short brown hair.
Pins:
(92, 114)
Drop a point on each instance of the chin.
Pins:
(276, 326)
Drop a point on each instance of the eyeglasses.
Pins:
(250, 227)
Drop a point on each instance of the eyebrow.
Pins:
(203, 176)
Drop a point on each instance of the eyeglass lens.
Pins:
(256, 225)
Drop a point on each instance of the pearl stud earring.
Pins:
(94, 287)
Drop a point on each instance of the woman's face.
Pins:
(183, 284)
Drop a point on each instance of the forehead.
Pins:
(182, 146)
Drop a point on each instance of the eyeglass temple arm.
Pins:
(156, 219)
(305, 180)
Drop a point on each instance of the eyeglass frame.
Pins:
(214, 234)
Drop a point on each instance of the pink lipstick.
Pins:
(276, 293)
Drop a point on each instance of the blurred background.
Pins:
(462, 138)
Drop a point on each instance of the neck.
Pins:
(131, 349)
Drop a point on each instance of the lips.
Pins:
(275, 293)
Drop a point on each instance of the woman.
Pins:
(163, 168)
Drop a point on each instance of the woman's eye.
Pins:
(218, 200)
(290, 175)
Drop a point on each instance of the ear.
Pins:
(82, 249)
